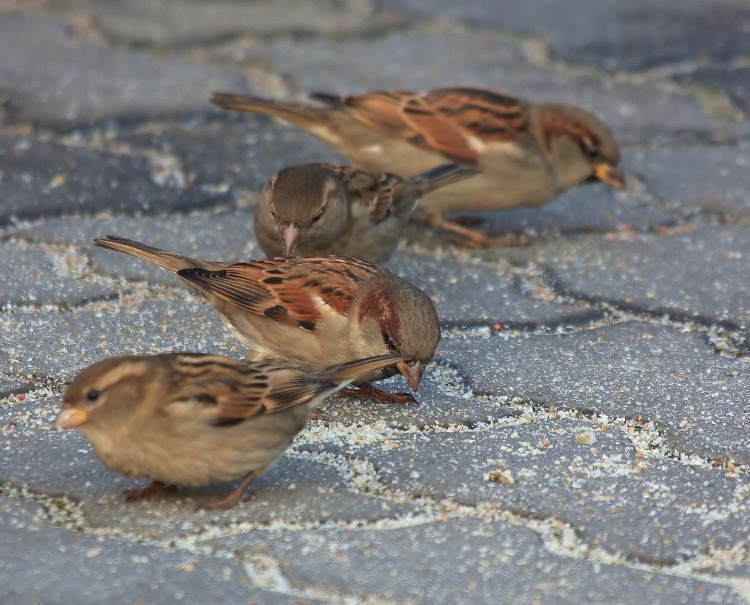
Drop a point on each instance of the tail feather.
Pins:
(295, 113)
(346, 373)
(442, 175)
(167, 260)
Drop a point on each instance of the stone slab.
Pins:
(712, 179)
(699, 274)
(632, 370)
(54, 565)
(61, 344)
(464, 561)
(473, 294)
(612, 35)
(735, 81)
(47, 178)
(651, 508)
(48, 77)
(187, 22)
(51, 275)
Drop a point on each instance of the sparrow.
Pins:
(192, 419)
(308, 313)
(528, 153)
(322, 209)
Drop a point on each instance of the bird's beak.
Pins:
(412, 371)
(70, 418)
(290, 237)
(609, 175)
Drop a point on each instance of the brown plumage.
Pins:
(190, 419)
(529, 153)
(311, 312)
(322, 209)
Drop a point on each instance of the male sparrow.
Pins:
(312, 312)
(529, 153)
(192, 419)
(322, 209)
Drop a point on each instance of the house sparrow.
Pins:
(529, 153)
(312, 312)
(192, 419)
(322, 209)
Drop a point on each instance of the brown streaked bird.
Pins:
(188, 419)
(322, 209)
(529, 153)
(312, 312)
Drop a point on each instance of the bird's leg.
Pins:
(233, 497)
(367, 391)
(471, 237)
(153, 489)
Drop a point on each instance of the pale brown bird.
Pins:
(322, 209)
(529, 153)
(312, 312)
(191, 419)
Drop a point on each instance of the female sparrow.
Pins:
(192, 419)
(312, 312)
(322, 209)
(529, 153)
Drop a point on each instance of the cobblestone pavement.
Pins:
(584, 433)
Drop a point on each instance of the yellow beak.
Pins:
(70, 418)
(609, 175)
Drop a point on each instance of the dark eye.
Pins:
(317, 217)
(390, 342)
(92, 395)
(590, 148)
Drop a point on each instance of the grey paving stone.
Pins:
(646, 111)
(440, 401)
(221, 235)
(709, 179)
(468, 561)
(654, 509)
(45, 564)
(735, 81)
(228, 150)
(46, 178)
(49, 276)
(614, 35)
(55, 344)
(48, 77)
(176, 22)
(10, 386)
(698, 398)
(474, 294)
(698, 274)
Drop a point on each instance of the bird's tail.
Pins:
(167, 260)
(298, 114)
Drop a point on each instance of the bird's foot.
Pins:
(367, 391)
(152, 490)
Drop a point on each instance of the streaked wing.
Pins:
(289, 290)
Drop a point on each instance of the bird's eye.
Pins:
(390, 342)
(92, 395)
(590, 148)
(317, 217)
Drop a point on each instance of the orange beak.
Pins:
(70, 418)
(412, 371)
(609, 175)
(290, 237)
